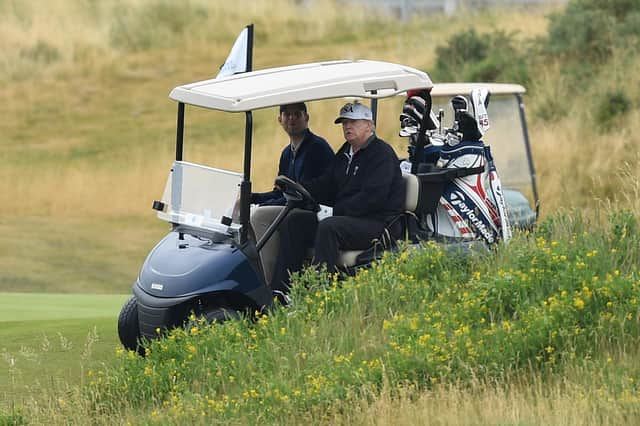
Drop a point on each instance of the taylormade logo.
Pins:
(457, 200)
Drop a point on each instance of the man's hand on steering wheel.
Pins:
(296, 194)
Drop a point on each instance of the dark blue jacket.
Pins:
(368, 185)
(310, 160)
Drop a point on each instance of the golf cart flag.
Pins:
(239, 59)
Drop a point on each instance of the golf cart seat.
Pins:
(351, 258)
(423, 192)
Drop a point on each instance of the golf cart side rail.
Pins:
(527, 144)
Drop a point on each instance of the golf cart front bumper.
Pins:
(157, 314)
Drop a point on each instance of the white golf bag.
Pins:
(471, 205)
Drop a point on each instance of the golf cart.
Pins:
(209, 263)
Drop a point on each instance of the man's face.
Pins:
(294, 121)
(356, 131)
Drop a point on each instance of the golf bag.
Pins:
(471, 204)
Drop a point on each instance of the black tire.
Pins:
(220, 314)
(128, 326)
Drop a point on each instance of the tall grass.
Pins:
(88, 129)
(36, 37)
(531, 399)
(578, 157)
(553, 314)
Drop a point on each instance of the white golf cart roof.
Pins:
(299, 83)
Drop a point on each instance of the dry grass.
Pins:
(583, 396)
(528, 405)
(89, 130)
(577, 161)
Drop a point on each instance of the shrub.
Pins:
(582, 35)
(588, 31)
(550, 109)
(630, 28)
(461, 49)
(619, 9)
(481, 57)
(610, 106)
(42, 52)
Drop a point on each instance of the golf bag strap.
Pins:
(444, 175)
(496, 190)
(458, 173)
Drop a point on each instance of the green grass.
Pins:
(75, 255)
(561, 303)
(23, 307)
(49, 341)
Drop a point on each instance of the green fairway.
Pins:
(43, 306)
(51, 341)
(37, 254)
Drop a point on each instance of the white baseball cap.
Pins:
(354, 111)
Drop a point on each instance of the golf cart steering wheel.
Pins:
(297, 194)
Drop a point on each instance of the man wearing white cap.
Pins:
(364, 186)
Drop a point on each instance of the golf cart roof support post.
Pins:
(374, 107)
(180, 131)
(245, 186)
(527, 145)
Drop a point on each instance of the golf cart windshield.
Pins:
(201, 199)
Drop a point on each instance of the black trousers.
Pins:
(300, 230)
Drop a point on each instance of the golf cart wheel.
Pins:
(220, 314)
(128, 326)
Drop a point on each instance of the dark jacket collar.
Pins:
(347, 147)
(307, 135)
(368, 142)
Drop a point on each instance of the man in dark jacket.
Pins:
(306, 156)
(364, 186)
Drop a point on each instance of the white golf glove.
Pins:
(324, 212)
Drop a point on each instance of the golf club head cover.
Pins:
(413, 110)
(464, 122)
(480, 102)
(459, 103)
